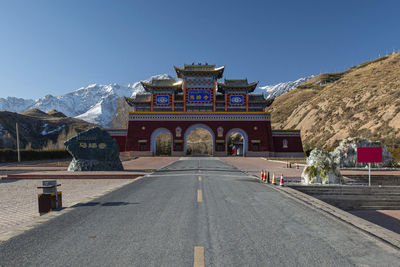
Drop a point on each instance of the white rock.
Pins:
(321, 169)
(346, 153)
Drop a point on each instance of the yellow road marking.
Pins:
(199, 178)
(198, 260)
(199, 196)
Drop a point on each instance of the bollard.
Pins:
(268, 180)
(50, 199)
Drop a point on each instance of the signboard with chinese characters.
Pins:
(199, 82)
(199, 95)
(162, 99)
(92, 145)
(236, 100)
(369, 154)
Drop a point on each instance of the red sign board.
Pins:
(369, 154)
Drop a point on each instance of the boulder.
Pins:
(321, 169)
(346, 153)
(93, 150)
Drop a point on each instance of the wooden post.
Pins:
(226, 102)
(19, 155)
(184, 95)
(173, 101)
(247, 102)
(151, 102)
(214, 96)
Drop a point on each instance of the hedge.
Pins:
(9, 155)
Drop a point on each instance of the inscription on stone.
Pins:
(93, 150)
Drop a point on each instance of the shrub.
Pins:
(9, 155)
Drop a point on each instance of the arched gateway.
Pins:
(199, 101)
(199, 126)
(154, 138)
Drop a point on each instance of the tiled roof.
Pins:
(236, 82)
(199, 68)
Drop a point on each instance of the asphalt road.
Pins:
(175, 218)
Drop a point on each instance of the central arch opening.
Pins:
(163, 144)
(236, 142)
(199, 140)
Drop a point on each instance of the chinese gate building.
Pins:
(197, 100)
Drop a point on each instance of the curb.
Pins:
(281, 161)
(382, 234)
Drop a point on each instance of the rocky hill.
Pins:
(38, 130)
(363, 101)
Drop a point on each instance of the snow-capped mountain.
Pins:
(270, 91)
(94, 103)
(15, 104)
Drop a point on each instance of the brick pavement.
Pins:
(133, 168)
(145, 163)
(390, 219)
(365, 172)
(255, 165)
(148, 163)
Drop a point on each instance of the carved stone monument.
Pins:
(321, 169)
(93, 150)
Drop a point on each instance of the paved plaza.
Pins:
(255, 165)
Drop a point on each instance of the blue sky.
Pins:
(54, 47)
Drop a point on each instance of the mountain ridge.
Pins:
(99, 104)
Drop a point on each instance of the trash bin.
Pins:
(50, 199)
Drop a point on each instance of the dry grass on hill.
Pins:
(363, 101)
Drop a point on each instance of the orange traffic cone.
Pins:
(265, 177)
(297, 166)
(281, 182)
(273, 179)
